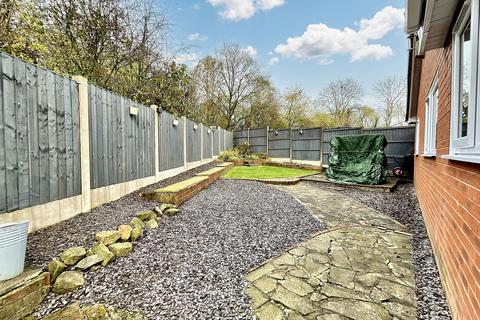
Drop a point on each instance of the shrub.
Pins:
(241, 152)
(229, 155)
(252, 157)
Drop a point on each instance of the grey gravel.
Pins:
(402, 205)
(192, 266)
(48, 243)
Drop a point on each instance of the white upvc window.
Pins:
(465, 113)
(431, 111)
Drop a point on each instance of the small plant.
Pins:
(229, 155)
(242, 152)
(252, 157)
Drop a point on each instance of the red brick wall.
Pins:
(449, 195)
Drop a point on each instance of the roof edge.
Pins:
(414, 12)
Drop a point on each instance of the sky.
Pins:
(304, 43)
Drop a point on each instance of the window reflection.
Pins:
(465, 78)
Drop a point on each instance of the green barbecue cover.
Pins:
(358, 159)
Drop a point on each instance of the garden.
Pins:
(243, 249)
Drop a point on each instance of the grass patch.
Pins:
(265, 172)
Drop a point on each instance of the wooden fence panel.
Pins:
(207, 142)
(240, 137)
(121, 144)
(221, 134)
(401, 142)
(193, 141)
(216, 141)
(279, 143)
(170, 135)
(306, 144)
(258, 140)
(229, 142)
(39, 135)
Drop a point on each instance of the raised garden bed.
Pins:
(181, 191)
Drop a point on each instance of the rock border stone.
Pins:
(110, 244)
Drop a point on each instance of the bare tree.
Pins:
(296, 108)
(339, 98)
(367, 117)
(231, 80)
(392, 92)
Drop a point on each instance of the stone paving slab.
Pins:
(334, 209)
(359, 269)
(359, 273)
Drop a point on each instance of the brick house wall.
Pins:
(449, 195)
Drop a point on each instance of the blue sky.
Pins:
(321, 49)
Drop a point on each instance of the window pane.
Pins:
(465, 78)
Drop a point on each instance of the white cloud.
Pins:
(382, 23)
(187, 58)
(196, 6)
(251, 51)
(320, 42)
(236, 10)
(269, 4)
(273, 61)
(372, 51)
(197, 37)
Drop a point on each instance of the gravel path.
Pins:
(48, 243)
(192, 266)
(402, 205)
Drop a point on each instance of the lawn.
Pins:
(265, 172)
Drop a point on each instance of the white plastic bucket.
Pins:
(13, 244)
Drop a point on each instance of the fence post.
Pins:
(156, 140)
(321, 147)
(218, 145)
(266, 139)
(291, 145)
(248, 136)
(84, 141)
(184, 119)
(212, 133)
(200, 126)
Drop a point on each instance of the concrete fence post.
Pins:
(291, 145)
(84, 141)
(184, 120)
(321, 146)
(224, 139)
(156, 141)
(201, 142)
(219, 146)
(212, 133)
(266, 139)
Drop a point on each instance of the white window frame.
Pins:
(466, 148)
(417, 137)
(430, 129)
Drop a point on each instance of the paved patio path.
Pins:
(358, 269)
(334, 209)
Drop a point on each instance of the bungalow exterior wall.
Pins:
(449, 195)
